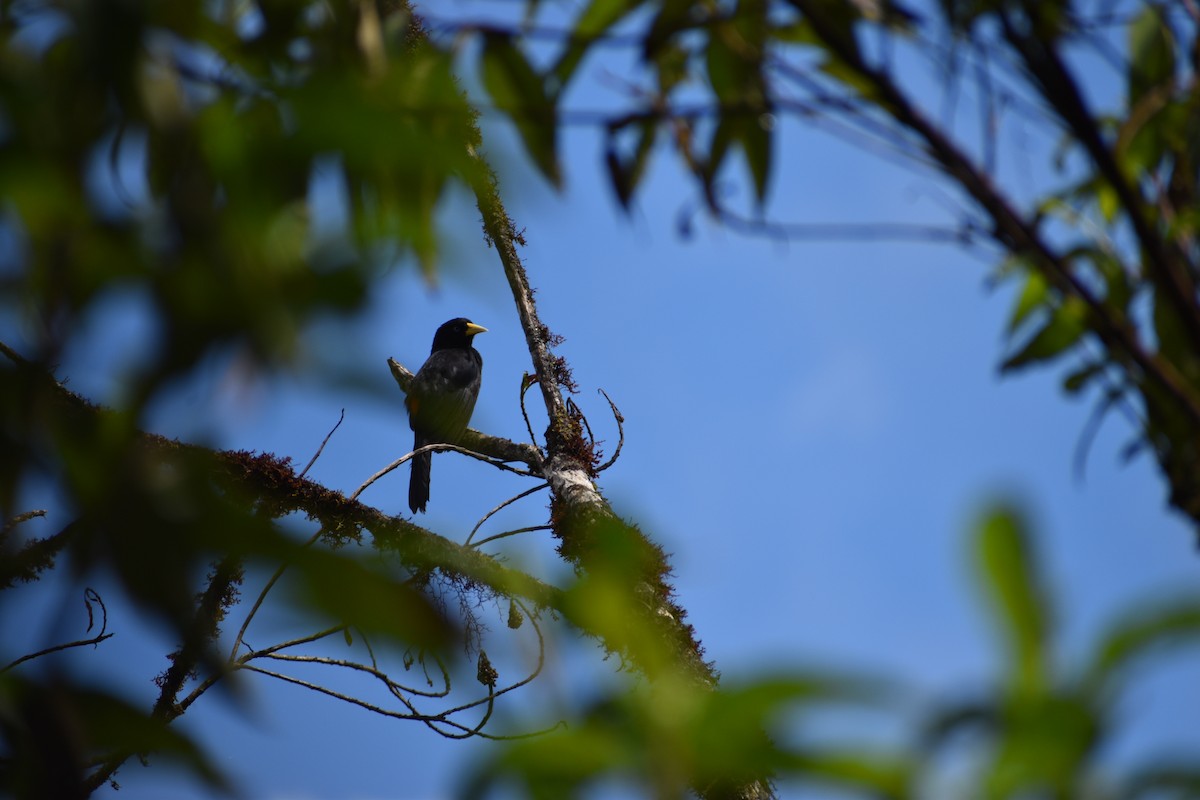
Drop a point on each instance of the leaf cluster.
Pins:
(1108, 263)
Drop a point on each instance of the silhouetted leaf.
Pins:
(50, 731)
(593, 22)
(1077, 380)
(517, 89)
(626, 171)
(350, 593)
(757, 137)
(1151, 52)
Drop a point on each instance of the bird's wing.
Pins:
(443, 393)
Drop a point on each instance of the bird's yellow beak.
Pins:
(473, 329)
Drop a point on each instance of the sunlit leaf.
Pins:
(888, 777)
(1009, 572)
(1143, 633)
(1043, 748)
(1065, 327)
(1034, 295)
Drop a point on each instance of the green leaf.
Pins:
(1178, 778)
(1151, 53)
(883, 776)
(849, 77)
(1080, 378)
(517, 89)
(354, 595)
(726, 70)
(671, 65)
(723, 136)
(1043, 747)
(625, 172)
(1066, 326)
(1132, 639)
(673, 17)
(985, 715)
(1009, 572)
(756, 138)
(50, 729)
(798, 31)
(596, 19)
(1034, 295)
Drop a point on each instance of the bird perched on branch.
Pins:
(441, 398)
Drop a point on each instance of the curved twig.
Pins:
(514, 532)
(237, 642)
(89, 596)
(324, 442)
(620, 418)
(439, 448)
(357, 666)
(503, 505)
(527, 380)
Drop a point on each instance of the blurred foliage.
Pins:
(1109, 263)
(169, 151)
(1041, 731)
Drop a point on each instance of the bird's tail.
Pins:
(418, 481)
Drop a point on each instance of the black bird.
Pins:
(441, 398)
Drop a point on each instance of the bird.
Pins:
(441, 398)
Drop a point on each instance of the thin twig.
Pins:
(324, 442)
(574, 410)
(968, 233)
(262, 595)
(345, 663)
(503, 505)
(19, 518)
(55, 649)
(527, 380)
(435, 719)
(439, 448)
(514, 532)
(620, 432)
(89, 596)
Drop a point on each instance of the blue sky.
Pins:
(811, 429)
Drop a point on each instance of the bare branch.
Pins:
(18, 519)
(503, 505)
(513, 532)
(439, 448)
(620, 432)
(324, 442)
(527, 380)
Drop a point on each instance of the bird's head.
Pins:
(457, 333)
